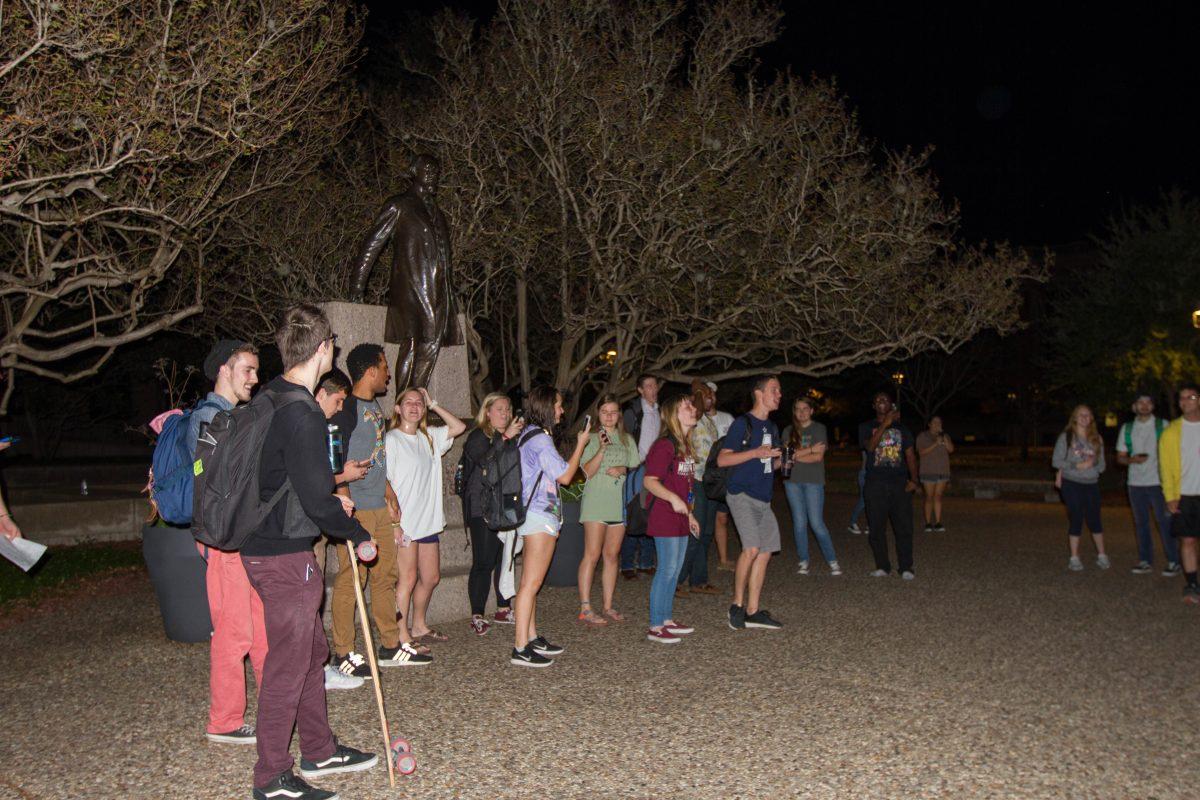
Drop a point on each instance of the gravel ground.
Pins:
(995, 674)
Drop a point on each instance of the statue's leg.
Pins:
(404, 366)
(425, 358)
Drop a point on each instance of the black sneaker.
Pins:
(243, 735)
(403, 655)
(737, 617)
(529, 658)
(290, 787)
(928, 527)
(761, 619)
(344, 759)
(354, 664)
(939, 528)
(544, 648)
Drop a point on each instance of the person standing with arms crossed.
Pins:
(749, 486)
(933, 450)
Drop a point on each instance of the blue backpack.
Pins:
(172, 468)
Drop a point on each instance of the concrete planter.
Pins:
(568, 551)
(177, 572)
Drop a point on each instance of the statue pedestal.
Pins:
(450, 385)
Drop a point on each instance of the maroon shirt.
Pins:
(677, 476)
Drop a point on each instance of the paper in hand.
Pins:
(21, 552)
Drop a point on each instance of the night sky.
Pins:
(1044, 122)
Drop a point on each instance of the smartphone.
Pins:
(587, 421)
(10, 439)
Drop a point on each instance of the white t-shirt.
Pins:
(1145, 440)
(723, 419)
(1189, 483)
(415, 474)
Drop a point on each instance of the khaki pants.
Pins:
(381, 575)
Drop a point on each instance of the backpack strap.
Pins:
(746, 436)
(1129, 437)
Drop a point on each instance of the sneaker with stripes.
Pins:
(352, 664)
(404, 654)
(344, 759)
(289, 787)
(243, 735)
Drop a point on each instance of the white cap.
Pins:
(711, 385)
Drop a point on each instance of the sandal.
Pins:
(420, 648)
(614, 615)
(433, 635)
(589, 617)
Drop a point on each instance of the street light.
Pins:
(898, 379)
(1196, 318)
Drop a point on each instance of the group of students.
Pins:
(389, 491)
(1163, 484)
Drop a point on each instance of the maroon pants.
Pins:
(293, 680)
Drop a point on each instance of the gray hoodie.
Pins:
(1068, 458)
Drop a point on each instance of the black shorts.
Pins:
(1185, 524)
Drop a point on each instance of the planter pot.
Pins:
(177, 572)
(568, 552)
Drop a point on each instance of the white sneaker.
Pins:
(1075, 565)
(803, 568)
(834, 569)
(908, 575)
(1102, 561)
(879, 573)
(336, 679)
(854, 528)
(1142, 568)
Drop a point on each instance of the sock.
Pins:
(1191, 578)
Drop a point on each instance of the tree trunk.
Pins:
(523, 331)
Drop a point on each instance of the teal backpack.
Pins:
(1159, 425)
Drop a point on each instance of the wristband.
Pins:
(433, 403)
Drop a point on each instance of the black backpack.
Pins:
(714, 476)
(227, 508)
(500, 473)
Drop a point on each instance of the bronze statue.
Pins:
(421, 314)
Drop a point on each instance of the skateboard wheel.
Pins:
(402, 756)
(406, 763)
(367, 551)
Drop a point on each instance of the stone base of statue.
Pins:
(355, 323)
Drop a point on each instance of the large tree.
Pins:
(130, 132)
(1122, 317)
(626, 195)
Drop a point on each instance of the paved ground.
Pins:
(995, 674)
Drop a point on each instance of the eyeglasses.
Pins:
(1183, 397)
(332, 338)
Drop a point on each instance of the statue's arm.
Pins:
(376, 239)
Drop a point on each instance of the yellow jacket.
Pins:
(1170, 459)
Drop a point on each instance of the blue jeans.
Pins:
(807, 501)
(695, 562)
(637, 552)
(1144, 500)
(671, 550)
(861, 505)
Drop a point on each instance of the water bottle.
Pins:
(83, 490)
(789, 453)
(766, 440)
(337, 454)
(459, 479)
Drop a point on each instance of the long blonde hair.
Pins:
(481, 418)
(422, 426)
(672, 430)
(1093, 434)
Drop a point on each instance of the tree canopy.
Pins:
(130, 132)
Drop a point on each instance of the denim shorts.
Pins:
(537, 522)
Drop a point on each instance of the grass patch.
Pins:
(66, 567)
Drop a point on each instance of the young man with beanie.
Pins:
(279, 561)
(1179, 463)
(1137, 448)
(234, 607)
